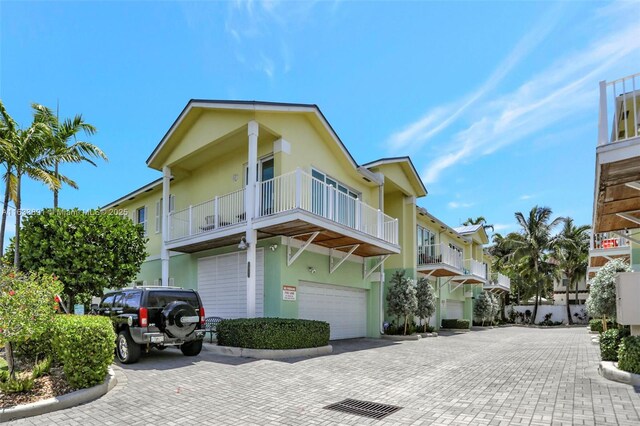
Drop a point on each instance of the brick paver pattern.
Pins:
(501, 376)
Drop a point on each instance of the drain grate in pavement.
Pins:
(364, 408)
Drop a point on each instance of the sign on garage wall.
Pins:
(288, 292)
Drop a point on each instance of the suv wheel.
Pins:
(127, 350)
(191, 348)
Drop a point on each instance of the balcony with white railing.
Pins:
(498, 282)
(619, 109)
(609, 241)
(213, 215)
(287, 205)
(440, 260)
(474, 272)
(606, 246)
(299, 190)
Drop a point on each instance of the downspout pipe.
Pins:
(380, 180)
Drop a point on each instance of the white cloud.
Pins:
(502, 226)
(567, 87)
(459, 205)
(433, 122)
(526, 197)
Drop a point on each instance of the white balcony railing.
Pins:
(499, 280)
(218, 213)
(608, 241)
(440, 254)
(299, 190)
(295, 190)
(620, 106)
(473, 267)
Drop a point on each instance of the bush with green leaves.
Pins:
(27, 308)
(22, 383)
(85, 346)
(426, 298)
(272, 333)
(601, 302)
(609, 342)
(483, 308)
(596, 325)
(401, 298)
(629, 354)
(458, 324)
(88, 250)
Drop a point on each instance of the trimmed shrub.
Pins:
(609, 342)
(34, 349)
(629, 354)
(272, 333)
(462, 324)
(596, 325)
(85, 347)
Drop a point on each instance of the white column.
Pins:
(164, 253)
(602, 115)
(251, 234)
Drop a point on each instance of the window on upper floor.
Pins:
(426, 241)
(141, 218)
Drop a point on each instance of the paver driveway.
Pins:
(501, 376)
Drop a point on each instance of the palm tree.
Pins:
(8, 135)
(480, 220)
(61, 133)
(30, 154)
(571, 252)
(532, 243)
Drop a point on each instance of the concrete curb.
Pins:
(61, 402)
(268, 353)
(395, 338)
(452, 331)
(610, 371)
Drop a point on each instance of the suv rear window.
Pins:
(132, 300)
(160, 299)
(107, 301)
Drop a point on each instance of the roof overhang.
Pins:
(408, 168)
(130, 196)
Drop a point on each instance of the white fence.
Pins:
(558, 312)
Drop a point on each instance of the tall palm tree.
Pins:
(8, 135)
(30, 155)
(62, 140)
(571, 252)
(531, 244)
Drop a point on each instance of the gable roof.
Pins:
(403, 161)
(250, 106)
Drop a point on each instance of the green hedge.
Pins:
(609, 342)
(629, 354)
(273, 333)
(596, 325)
(85, 347)
(456, 323)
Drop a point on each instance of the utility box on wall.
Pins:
(628, 298)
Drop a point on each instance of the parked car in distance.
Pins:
(147, 317)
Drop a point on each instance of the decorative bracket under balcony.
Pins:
(292, 258)
(332, 266)
(366, 274)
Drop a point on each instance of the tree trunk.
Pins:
(8, 354)
(5, 207)
(604, 323)
(535, 307)
(55, 190)
(406, 319)
(567, 295)
(16, 256)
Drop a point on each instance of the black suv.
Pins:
(146, 317)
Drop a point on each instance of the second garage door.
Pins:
(455, 309)
(345, 309)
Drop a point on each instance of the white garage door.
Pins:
(455, 309)
(222, 284)
(345, 309)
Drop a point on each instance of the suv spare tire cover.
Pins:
(172, 316)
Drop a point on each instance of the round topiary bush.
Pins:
(629, 354)
(272, 333)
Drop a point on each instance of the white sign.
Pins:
(288, 292)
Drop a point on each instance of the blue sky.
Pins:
(495, 102)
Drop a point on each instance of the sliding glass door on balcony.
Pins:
(333, 200)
